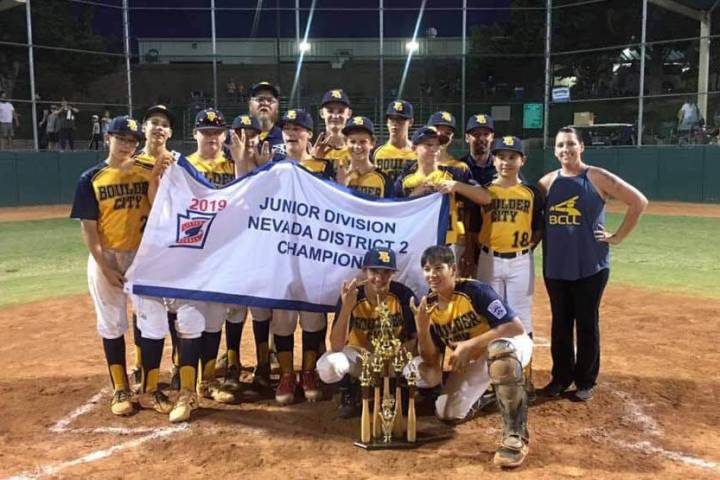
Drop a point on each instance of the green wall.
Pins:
(689, 174)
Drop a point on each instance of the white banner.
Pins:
(277, 238)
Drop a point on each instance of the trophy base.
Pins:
(402, 444)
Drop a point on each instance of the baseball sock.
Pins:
(189, 359)
(151, 356)
(285, 345)
(210, 347)
(311, 345)
(233, 337)
(172, 317)
(261, 332)
(136, 339)
(115, 355)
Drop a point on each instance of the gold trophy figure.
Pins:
(387, 356)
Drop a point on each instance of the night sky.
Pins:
(166, 19)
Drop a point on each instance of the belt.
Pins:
(505, 255)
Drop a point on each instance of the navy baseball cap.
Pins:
(161, 109)
(442, 118)
(480, 120)
(380, 258)
(400, 108)
(335, 96)
(359, 123)
(265, 86)
(514, 144)
(247, 121)
(298, 117)
(124, 124)
(426, 133)
(209, 119)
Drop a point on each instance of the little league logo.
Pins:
(193, 229)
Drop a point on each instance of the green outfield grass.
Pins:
(46, 258)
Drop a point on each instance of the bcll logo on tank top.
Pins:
(565, 213)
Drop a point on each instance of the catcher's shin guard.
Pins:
(506, 375)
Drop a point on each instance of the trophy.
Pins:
(385, 429)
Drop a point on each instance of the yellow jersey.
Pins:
(373, 184)
(414, 178)
(392, 160)
(363, 318)
(473, 309)
(511, 217)
(336, 155)
(320, 167)
(219, 171)
(117, 199)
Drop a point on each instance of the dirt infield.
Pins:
(655, 413)
(655, 208)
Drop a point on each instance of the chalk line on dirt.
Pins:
(63, 424)
(54, 469)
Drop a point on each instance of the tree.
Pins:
(58, 73)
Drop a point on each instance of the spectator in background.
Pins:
(241, 93)
(66, 120)
(104, 122)
(52, 127)
(8, 117)
(95, 135)
(688, 116)
(42, 128)
(231, 89)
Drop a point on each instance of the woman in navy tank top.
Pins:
(576, 259)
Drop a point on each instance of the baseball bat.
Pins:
(411, 420)
(365, 417)
(397, 427)
(376, 413)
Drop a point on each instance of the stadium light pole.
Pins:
(463, 96)
(412, 46)
(303, 47)
(381, 46)
(126, 45)
(641, 93)
(31, 66)
(548, 73)
(214, 52)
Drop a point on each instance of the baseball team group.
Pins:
(471, 331)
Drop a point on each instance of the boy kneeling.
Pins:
(488, 345)
(355, 320)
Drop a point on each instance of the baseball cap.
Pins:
(380, 258)
(265, 86)
(514, 144)
(245, 120)
(124, 124)
(480, 120)
(359, 123)
(426, 133)
(335, 96)
(209, 119)
(400, 108)
(298, 117)
(442, 118)
(162, 109)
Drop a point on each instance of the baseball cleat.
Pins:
(121, 403)
(214, 391)
(221, 362)
(311, 385)
(584, 394)
(348, 407)
(186, 403)
(285, 393)
(512, 452)
(261, 376)
(232, 378)
(157, 401)
(552, 390)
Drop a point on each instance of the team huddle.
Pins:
(470, 332)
